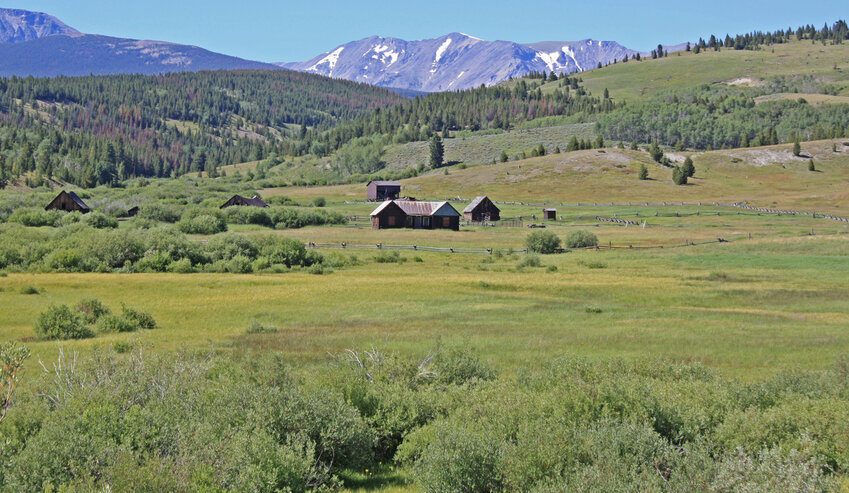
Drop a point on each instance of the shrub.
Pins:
(389, 258)
(542, 242)
(29, 290)
(644, 172)
(458, 365)
(37, 217)
(205, 224)
(529, 260)
(159, 212)
(258, 328)
(121, 347)
(61, 322)
(319, 202)
(182, 266)
(581, 239)
(138, 318)
(100, 220)
(91, 309)
(109, 324)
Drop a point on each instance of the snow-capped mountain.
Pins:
(455, 61)
(17, 26)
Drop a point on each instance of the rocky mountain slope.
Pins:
(18, 26)
(455, 61)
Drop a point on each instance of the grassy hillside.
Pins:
(744, 68)
(765, 176)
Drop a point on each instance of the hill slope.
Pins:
(455, 61)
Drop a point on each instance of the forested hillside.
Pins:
(101, 129)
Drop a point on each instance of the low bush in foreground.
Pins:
(61, 322)
(205, 422)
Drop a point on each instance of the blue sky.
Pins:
(274, 31)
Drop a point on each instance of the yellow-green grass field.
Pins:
(749, 308)
(634, 80)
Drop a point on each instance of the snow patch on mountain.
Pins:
(456, 61)
(441, 50)
(331, 60)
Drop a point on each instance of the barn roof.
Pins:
(384, 183)
(417, 208)
(77, 200)
(239, 200)
(475, 203)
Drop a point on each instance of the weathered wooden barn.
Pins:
(481, 210)
(382, 190)
(549, 213)
(416, 215)
(133, 211)
(68, 202)
(242, 201)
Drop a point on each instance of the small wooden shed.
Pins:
(481, 210)
(133, 211)
(254, 201)
(549, 214)
(382, 190)
(68, 202)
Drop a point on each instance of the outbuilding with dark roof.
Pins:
(382, 190)
(68, 202)
(254, 201)
(481, 210)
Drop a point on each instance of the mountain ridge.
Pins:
(18, 26)
(455, 60)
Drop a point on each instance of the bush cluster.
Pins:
(88, 317)
(581, 239)
(81, 248)
(201, 422)
(542, 241)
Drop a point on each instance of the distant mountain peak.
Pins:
(455, 60)
(18, 26)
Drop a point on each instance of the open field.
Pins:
(749, 308)
(634, 80)
(764, 176)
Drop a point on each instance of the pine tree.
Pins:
(688, 168)
(655, 151)
(437, 152)
(573, 144)
(644, 172)
(606, 93)
(503, 157)
(797, 148)
(634, 145)
(599, 142)
(540, 150)
(679, 177)
(811, 166)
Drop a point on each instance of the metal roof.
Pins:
(417, 208)
(384, 183)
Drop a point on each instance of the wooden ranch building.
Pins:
(549, 214)
(242, 201)
(481, 210)
(416, 215)
(68, 202)
(383, 190)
